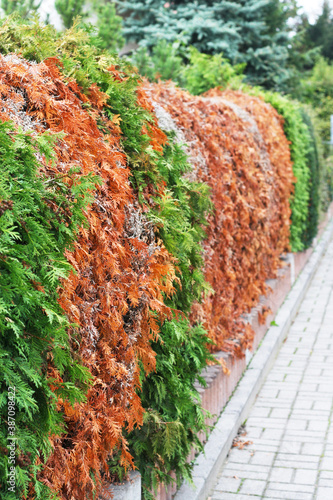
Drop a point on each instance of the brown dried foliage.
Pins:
(121, 273)
(237, 146)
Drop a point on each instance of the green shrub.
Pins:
(315, 167)
(189, 68)
(298, 134)
(205, 72)
(25, 8)
(69, 10)
(109, 25)
(165, 61)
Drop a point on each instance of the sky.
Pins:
(312, 7)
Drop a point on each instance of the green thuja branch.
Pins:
(39, 219)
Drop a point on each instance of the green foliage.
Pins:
(313, 162)
(188, 67)
(205, 72)
(178, 217)
(165, 61)
(109, 25)
(254, 32)
(39, 219)
(69, 10)
(24, 8)
(318, 92)
(173, 418)
(298, 134)
(311, 42)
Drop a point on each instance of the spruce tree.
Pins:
(254, 32)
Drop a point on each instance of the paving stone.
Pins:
(233, 496)
(304, 404)
(298, 458)
(294, 464)
(305, 476)
(266, 423)
(262, 458)
(281, 474)
(313, 449)
(260, 411)
(254, 432)
(253, 487)
(297, 424)
(228, 484)
(265, 445)
(306, 436)
(273, 434)
(323, 493)
(280, 413)
(326, 464)
(240, 456)
(326, 482)
(291, 446)
(325, 474)
(291, 487)
(288, 495)
(317, 425)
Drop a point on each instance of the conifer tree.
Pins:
(69, 10)
(254, 32)
(23, 7)
(320, 33)
(109, 25)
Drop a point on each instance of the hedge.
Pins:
(245, 159)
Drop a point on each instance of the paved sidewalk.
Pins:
(291, 422)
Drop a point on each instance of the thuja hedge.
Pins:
(39, 220)
(304, 201)
(245, 159)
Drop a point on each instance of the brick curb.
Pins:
(219, 442)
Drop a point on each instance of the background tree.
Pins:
(69, 10)
(320, 33)
(109, 25)
(23, 7)
(254, 32)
